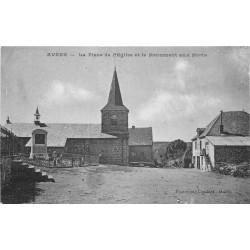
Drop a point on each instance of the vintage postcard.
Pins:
(133, 125)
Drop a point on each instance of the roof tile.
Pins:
(140, 136)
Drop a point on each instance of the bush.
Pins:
(175, 149)
(237, 170)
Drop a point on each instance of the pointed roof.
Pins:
(37, 112)
(115, 97)
(234, 122)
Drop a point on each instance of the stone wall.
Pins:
(140, 153)
(122, 119)
(231, 154)
(111, 151)
(5, 171)
(21, 142)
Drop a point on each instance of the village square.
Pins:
(118, 162)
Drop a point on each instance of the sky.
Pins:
(174, 90)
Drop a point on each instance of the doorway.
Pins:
(198, 162)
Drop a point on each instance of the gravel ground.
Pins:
(119, 184)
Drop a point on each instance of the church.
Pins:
(111, 140)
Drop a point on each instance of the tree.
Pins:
(175, 147)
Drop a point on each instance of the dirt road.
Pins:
(119, 184)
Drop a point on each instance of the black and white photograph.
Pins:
(124, 124)
(133, 125)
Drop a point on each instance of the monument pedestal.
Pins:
(39, 144)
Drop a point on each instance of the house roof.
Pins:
(115, 97)
(140, 136)
(59, 132)
(199, 131)
(229, 140)
(234, 123)
(209, 126)
(194, 138)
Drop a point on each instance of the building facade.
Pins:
(111, 140)
(225, 139)
(140, 144)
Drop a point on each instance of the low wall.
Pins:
(5, 171)
(140, 153)
(232, 154)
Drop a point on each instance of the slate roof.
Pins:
(200, 131)
(140, 136)
(194, 138)
(234, 122)
(115, 97)
(229, 140)
(59, 132)
(210, 126)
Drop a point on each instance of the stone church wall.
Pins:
(122, 118)
(110, 151)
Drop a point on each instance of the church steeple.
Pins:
(115, 114)
(115, 96)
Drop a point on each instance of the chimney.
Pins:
(8, 120)
(133, 127)
(221, 125)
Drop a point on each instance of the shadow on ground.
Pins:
(20, 192)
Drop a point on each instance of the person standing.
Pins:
(54, 155)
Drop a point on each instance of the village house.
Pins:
(112, 141)
(225, 139)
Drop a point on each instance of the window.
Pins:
(114, 120)
(39, 139)
(207, 149)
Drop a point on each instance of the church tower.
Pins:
(115, 114)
